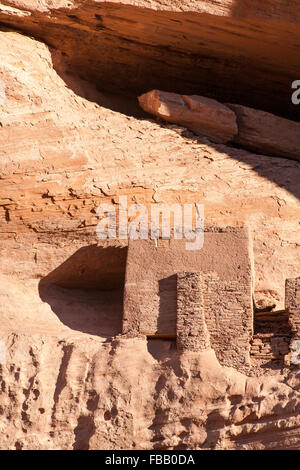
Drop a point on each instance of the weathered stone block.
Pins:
(150, 297)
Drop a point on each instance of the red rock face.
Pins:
(65, 148)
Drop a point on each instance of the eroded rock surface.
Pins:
(265, 133)
(69, 381)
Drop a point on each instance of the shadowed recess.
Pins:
(86, 291)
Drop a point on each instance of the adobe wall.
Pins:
(272, 336)
(150, 296)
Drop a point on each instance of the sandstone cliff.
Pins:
(71, 137)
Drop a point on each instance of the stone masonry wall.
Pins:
(269, 346)
(292, 305)
(192, 333)
(229, 318)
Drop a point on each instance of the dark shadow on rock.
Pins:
(86, 291)
(161, 349)
(166, 322)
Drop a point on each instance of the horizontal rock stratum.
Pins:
(252, 129)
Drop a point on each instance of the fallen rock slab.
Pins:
(204, 116)
(266, 133)
(252, 129)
